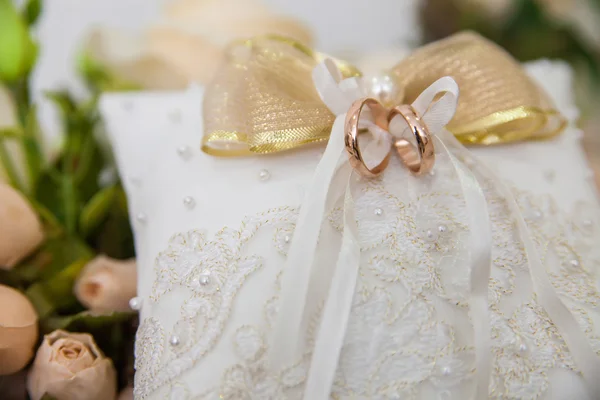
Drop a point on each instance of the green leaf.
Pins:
(96, 210)
(9, 133)
(85, 321)
(99, 78)
(56, 293)
(70, 203)
(63, 100)
(8, 164)
(32, 11)
(114, 237)
(58, 253)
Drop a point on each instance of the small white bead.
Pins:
(522, 348)
(189, 202)
(141, 217)
(135, 303)
(537, 214)
(574, 263)
(587, 223)
(446, 371)
(287, 238)
(378, 211)
(184, 152)
(442, 228)
(203, 279)
(432, 173)
(264, 175)
(174, 340)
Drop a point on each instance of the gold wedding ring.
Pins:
(380, 117)
(420, 158)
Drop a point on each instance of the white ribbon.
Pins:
(581, 350)
(333, 174)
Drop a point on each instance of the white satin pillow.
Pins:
(211, 238)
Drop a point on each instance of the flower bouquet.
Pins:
(63, 231)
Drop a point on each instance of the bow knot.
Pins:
(266, 102)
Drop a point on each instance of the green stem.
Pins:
(70, 203)
(20, 91)
(9, 167)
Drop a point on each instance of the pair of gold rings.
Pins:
(418, 158)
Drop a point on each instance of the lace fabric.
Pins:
(409, 334)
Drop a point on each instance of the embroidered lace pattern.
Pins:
(409, 334)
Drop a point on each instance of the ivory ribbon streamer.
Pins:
(262, 100)
(581, 350)
(300, 269)
(286, 345)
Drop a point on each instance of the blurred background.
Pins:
(529, 29)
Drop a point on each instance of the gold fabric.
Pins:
(263, 100)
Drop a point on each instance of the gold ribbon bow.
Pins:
(263, 99)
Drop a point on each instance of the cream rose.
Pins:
(20, 229)
(187, 44)
(106, 285)
(18, 330)
(70, 366)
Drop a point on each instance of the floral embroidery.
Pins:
(409, 333)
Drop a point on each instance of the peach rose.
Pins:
(70, 366)
(106, 284)
(18, 330)
(187, 44)
(20, 230)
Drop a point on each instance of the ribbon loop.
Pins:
(262, 99)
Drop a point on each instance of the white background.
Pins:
(340, 27)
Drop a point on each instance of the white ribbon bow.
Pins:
(332, 174)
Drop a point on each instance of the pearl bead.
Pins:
(574, 263)
(141, 218)
(203, 278)
(174, 340)
(135, 303)
(264, 175)
(378, 211)
(184, 152)
(384, 88)
(446, 371)
(442, 228)
(522, 348)
(587, 223)
(189, 202)
(287, 238)
(537, 214)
